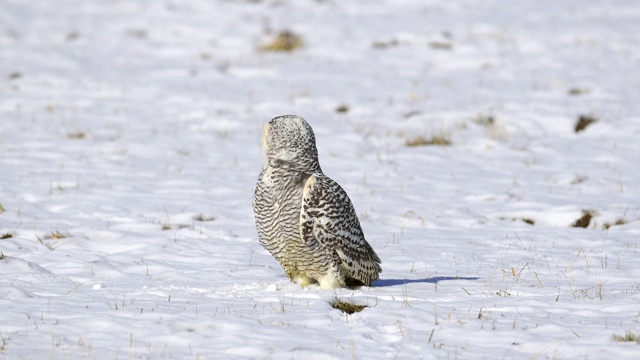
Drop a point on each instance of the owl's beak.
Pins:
(263, 141)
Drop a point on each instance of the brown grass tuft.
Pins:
(346, 307)
(627, 337)
(584, 121)
(203, 218)
(441, 45)
(584, 221)
(618, 222)
(438, 140)
(77, 135)
(285, 41)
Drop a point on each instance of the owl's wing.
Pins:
(328, 218)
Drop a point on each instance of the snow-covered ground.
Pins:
(129, 151)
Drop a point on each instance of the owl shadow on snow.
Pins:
(431, 280)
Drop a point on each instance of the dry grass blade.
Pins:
(56, 235)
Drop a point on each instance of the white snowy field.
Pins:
(130, 148)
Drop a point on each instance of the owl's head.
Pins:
(288, 141)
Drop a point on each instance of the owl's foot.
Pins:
(301, 279)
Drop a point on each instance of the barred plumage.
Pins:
(305, 219)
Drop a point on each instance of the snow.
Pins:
(130, 146)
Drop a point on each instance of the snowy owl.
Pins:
(305, 219)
